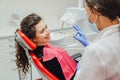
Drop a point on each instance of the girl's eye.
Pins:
(42, 30)
(46, 27)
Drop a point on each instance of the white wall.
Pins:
(49, 10)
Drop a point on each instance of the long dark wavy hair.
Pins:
(27, 27)
(108, 8)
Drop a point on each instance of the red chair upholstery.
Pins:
(26, 43)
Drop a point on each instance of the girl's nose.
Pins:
(47, 31)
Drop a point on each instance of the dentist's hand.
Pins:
(80, 36)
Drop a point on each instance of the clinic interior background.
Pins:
(49, 10)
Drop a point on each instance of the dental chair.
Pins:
(27, 44)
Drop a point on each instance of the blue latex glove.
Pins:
(80, 36)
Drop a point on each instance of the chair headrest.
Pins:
(24, 41)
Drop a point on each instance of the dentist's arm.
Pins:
(80, 36)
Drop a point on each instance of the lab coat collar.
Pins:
(107, 31)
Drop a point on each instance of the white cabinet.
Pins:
(8, 67)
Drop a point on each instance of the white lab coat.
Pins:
(101, 59)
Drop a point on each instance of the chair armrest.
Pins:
(75, 56)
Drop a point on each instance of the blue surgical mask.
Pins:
(93, 25)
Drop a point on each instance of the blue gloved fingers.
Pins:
(78, 36)
(76, 27)
(80, 39)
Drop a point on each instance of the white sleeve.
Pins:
(91, 67)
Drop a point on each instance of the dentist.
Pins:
(101, 58)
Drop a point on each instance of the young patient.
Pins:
(55, 59)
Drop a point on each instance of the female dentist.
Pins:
(101, 58)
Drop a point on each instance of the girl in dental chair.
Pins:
(55, 59)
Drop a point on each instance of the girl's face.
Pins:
(42, 35)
